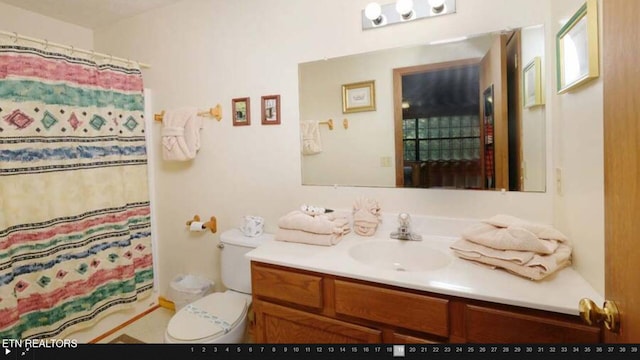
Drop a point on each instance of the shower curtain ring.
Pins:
(15, 37)
(72, 50)
(46, 44)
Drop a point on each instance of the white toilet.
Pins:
(220, 317)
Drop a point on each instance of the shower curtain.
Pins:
(75, 239)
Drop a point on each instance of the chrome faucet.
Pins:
(404, 229)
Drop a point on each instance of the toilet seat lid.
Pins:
(211, 316)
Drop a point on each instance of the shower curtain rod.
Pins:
(46, 43)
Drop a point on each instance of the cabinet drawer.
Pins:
(292, 287)
(280, 324)
(397, 308)
(486, 325)
(409, 339)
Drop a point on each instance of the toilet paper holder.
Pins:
(211, 224)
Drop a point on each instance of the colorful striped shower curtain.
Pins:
(75, 238)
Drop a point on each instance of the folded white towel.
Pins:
(515, 238)
(310, 137)
(328, 223)
(540, 230)
(181, 134)
(366, 217)
(538, 268)
(304, 237)
(473, 250)
(364, 228)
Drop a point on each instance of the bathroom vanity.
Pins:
(316, 294)
(296, 306)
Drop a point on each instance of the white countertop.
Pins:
(559, 292)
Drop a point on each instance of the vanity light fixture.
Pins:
(373, 12)
(405, 9)
(375, 15)
(437, 6)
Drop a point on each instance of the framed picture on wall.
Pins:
(532, 82)
(577, 48)
(271, 110)
(360, 96)
(241, 111)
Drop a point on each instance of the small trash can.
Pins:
(185, 289)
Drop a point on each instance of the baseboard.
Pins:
(166, 303)
(124, 324)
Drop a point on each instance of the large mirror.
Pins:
(445, 115)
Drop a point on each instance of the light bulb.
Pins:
(436, 6)
(405, 8)
(373, 11)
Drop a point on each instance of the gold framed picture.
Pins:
(532, 83)
(577, 48)
(360, 96)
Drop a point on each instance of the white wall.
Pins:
(205, 52)
(533, 118)
(579, 156)
(14, 19)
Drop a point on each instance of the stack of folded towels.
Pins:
(533, 251)
(312, 228)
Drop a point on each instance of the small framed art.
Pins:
(577, 48)
(271, 110)
(241, 111)
(532, 82)
(359, 96)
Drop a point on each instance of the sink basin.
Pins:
(398, 255)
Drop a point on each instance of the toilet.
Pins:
(220, 317)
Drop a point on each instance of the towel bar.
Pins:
(345, 123)
(214, 112)
(328, 122)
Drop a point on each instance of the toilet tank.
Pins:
(235, 268)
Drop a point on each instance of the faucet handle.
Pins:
(404, 219)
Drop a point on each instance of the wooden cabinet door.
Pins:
(279, 324)
(621, 159)
(487, 325)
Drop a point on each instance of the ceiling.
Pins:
(91, 14)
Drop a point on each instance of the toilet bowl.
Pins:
(220, 317)
(215, 318)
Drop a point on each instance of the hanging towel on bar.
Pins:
(181, 134)
(310, 136)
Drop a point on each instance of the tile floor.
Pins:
(148, 329)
